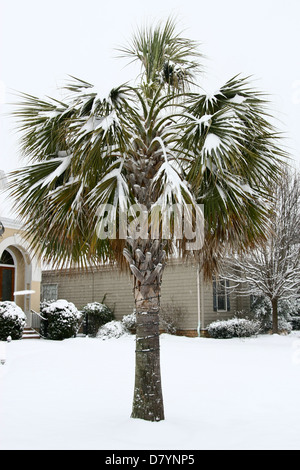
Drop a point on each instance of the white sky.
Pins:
(42, 42)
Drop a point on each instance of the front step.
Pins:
(30, 333)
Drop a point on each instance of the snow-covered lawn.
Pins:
(219, 394)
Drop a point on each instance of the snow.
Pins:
(212, 142)
(65, 162)
(63, 306)
(112, 329)
(205, 120)
(218, 394)
(10, 309)
(24, 292)
(238, 99)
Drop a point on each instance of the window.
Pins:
(7, 277)
(49, 292)
(6, 258)
(221, 297)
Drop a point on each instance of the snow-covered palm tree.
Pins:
(161, 141)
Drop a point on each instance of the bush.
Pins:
(295, 321)
(12, 321)
(262, 311)
(129, 321)
(97, 314)
(289, 308)
(233, 328)
(62, 319)
(283, 326)
(112, 329)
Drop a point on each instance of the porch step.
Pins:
(29, 333)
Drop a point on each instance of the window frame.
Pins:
(53, 284)
(226, 295)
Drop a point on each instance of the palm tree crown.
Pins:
(155, 142)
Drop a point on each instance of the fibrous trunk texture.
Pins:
(146, 259)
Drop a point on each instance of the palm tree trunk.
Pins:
(147, 263)
(148, 398)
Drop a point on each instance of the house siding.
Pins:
(83, 287)
(179, 288)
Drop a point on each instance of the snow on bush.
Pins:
(129, 321)
(62, 319)
(97, 314)
(112, 329)
(233, 328)
(12, 321)
(295, 321)
(284, 326)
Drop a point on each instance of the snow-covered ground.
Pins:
(219, 394)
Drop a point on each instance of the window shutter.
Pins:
(228, 296)
(215, 295)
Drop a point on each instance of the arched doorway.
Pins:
(7, 276)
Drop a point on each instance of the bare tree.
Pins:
(272, 270)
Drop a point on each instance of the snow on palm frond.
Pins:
(112, 190)
(64, 162)
(169, 185)
(231, 132)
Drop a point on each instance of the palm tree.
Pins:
(162, 142)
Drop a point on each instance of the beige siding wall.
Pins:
(84, 287)
(179, 288)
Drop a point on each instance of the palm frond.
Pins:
(165, 56)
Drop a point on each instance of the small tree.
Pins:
(272, 270)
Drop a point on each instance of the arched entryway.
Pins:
(20, 273)
(7, 276)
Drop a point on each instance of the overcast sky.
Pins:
(42, 42)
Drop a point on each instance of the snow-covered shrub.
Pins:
(97, 314)
(295, 322)
(12, 321)
(262, 311)
(284, 326)
(233, 328)
(129, 321)
(112, 329)
(289, 308)
(62, 319)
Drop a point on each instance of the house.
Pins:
(198, 302)
(20, 271)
